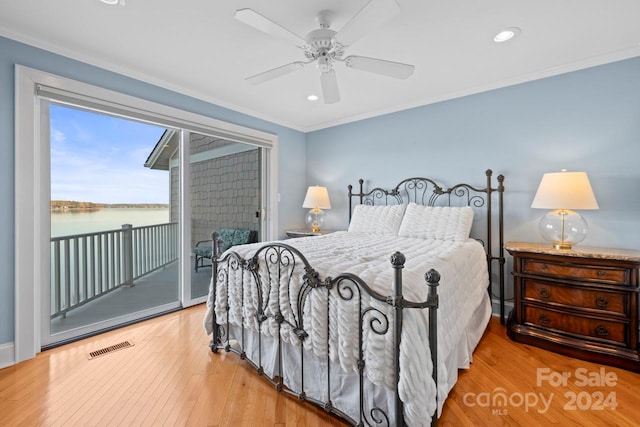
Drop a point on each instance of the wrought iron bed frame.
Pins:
(279, 257)
(417, 190)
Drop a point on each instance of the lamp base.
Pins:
(562, 246)
(315, 219)
(563, 228)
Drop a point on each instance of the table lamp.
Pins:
(317, 198)
(564, 191)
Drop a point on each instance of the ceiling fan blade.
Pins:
(276, 72)
(372, 15)
(329, 84)
(380, 66)
(259, 22)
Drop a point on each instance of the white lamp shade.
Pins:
(317, 197)
(565, 190)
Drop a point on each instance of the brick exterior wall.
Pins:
(224, 190)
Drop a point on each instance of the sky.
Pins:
(99, 158)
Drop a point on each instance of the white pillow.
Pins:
(437, 222)
(377, 219)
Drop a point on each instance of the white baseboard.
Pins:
(7, 355)
(495, 308)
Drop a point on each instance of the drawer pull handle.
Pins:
(601, 331)
(545, 293)
(544, 319)
(601, 273)
(543, 266)
(602, 302)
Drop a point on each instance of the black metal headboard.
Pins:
(425, 191)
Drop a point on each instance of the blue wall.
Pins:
(292, 149)
(587, 120)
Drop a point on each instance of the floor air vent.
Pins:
(110, 349)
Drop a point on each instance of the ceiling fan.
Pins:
(326, 46)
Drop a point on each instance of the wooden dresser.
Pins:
(581, 302)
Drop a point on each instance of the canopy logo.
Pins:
(499, 400)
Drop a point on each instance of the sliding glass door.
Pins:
(89, 227)
(114, 245)
(119, 214)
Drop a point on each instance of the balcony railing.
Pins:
(87, 266)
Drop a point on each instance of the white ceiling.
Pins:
(196, 47)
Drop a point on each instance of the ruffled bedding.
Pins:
(462, 290)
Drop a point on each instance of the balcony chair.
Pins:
(230, 237)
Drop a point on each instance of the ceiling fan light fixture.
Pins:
(326, 46)
(506, 34)
(324, 63)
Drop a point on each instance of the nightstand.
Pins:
(581, 302)
(307, 233)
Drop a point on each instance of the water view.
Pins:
(70, 222)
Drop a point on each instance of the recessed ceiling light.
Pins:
(312, 97)
(113, 2)
(506, 34)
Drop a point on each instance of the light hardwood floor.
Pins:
(169, 377)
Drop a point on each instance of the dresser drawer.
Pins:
(592, 299)
(578, 325)
(574, 271)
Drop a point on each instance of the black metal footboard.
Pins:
(275, 287)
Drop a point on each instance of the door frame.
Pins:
(32, 183)
(185, 160)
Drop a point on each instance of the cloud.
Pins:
(97, 158)
(57, 136)
(140, 155)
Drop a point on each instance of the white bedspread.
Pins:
(462, 289)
